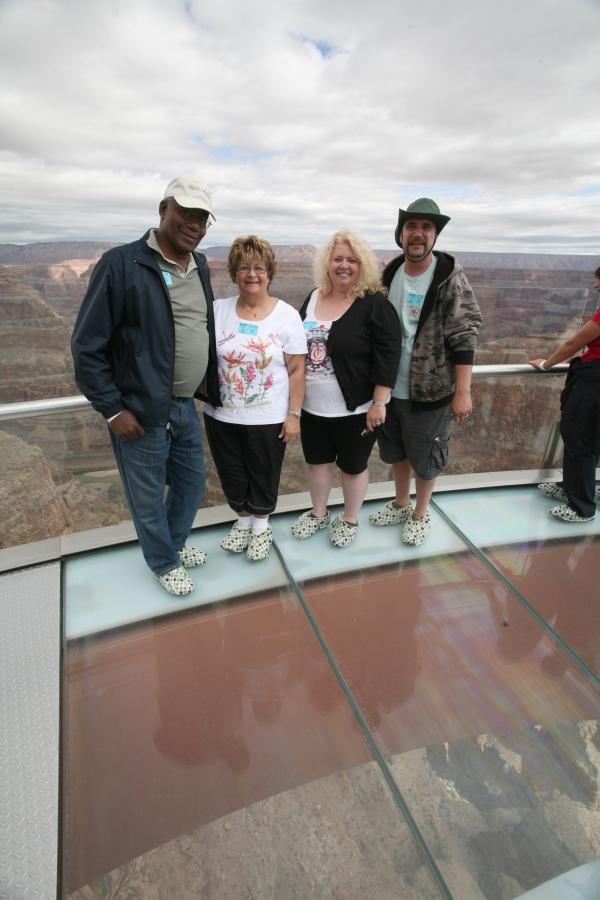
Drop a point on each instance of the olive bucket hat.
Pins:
(423, 208)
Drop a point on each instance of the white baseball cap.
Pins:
(190, 192)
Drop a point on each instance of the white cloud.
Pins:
(304, 117)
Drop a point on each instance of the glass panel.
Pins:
(58, 475)
(511, 426)
(490, 730)
(560, 580)
(554, 565)
(213, 754)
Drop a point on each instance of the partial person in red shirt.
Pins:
(579, 421)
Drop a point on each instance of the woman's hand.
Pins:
(375, 417)
(290, 429)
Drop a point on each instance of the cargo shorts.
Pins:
(421, 436)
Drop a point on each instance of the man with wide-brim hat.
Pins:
(144, 347)
(440, 319)
(424, 208)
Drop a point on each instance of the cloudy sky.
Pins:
(304, 117)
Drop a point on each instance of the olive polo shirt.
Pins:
(188, 303)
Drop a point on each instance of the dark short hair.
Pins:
(251, 249)
(597, 273)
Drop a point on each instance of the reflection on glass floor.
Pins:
(373, 722)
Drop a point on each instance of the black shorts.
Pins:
(248, 459)
(421, 437)
(338, 440)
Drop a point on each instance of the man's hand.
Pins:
(126, 426)
(536, 362)
(461, 405)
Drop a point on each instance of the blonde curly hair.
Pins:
(369, 277)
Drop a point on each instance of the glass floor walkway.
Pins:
(375, 722)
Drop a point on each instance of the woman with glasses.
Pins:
(354, 339)
(261, 349)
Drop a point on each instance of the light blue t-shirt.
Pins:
(407, 293)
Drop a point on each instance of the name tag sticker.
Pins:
(414, 302)
(247, 328)
(309, 325)
(168, 278)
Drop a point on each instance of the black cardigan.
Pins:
(364, 347)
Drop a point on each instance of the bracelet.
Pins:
(378, 403)
(295, 412)
(542, 366)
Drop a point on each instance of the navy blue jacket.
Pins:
(123, 343)
(364, 347)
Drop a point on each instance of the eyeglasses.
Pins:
(245, 268)
(192, 214)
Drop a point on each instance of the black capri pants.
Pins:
(248, 459)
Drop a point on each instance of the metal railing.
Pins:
(78, 403)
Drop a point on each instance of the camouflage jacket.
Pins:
(446, 331)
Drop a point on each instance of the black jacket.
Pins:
(123, 343)
(364, 347)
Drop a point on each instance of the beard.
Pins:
(417, 250)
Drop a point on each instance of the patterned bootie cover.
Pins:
(191, 556)
(416, 530)
(390, 514)
(260, 544)
(237, 540)
(341, 532)
(567, 514)
(308, 524)
(177, 582)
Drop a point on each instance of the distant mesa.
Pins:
(78, 254)
(52, 252)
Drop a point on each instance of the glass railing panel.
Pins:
(552, 564)
(488, 725)
(212, 753)
(527, 312)
(59, 474)
(511, 427)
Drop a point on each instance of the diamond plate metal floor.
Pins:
(29, 708)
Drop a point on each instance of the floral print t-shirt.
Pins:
(253, 378)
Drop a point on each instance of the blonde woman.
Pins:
(354, 338)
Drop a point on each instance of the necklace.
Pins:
(254, 312)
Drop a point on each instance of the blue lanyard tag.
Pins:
(247, 328)
(168, 277)
(309, 325)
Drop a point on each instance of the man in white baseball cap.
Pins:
(144, 348)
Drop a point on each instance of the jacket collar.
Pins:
(444, 267)
(144, 254)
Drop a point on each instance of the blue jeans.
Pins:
(164, 457)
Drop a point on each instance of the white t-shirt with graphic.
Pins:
(253, 378)
(322, 395)
(407, 293)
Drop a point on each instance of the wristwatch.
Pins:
(378, 403)
(295, 412)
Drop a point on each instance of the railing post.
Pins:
(553, 450)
